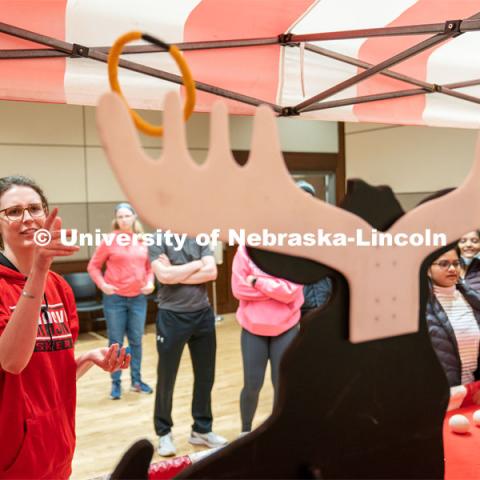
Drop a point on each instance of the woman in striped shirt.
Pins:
(453, 318)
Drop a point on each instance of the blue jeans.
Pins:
(126, 315)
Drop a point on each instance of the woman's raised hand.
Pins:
(48, 243)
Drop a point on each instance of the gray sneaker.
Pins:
(166, 447)
(209, 439)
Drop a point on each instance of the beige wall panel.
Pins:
(73, 216)
(91, 135)
(101, 181)
(199, 155)
(100, 216)
(351, 127)
(93, 139)
(411, 159)
(59, 170)
(411, 200)
(40, 123)
(198, 131)
(102, 186)
(296, 135)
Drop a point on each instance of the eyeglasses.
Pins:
(471, 240)
(445, 264)
(16, 213)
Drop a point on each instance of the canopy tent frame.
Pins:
(442, 31)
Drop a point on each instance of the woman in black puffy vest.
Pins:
(453, 318)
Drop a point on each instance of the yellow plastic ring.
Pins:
(188, 82)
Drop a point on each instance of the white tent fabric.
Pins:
(322, 72)
(282, 75)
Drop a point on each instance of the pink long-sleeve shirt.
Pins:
(269, 308)
(127, 267)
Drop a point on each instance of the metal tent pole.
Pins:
(84, 51)
(467, 25)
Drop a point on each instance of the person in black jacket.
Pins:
(469, 251)
(453, 318)
(316, 294)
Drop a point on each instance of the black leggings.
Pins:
(256, 351)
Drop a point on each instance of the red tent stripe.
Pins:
(34, 79)
(374, 50)
(234, 20)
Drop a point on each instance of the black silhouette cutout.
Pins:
(135, 462)
(368, 410)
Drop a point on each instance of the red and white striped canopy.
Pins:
(282, 75)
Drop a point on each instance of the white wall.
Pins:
(414, 161)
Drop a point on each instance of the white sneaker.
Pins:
(197, 456)
(209, 439)
(166, 447)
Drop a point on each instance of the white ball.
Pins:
(476, 418)
(459, 424)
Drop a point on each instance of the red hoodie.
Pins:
(37, 406)
(128, 266)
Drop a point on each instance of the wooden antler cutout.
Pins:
(176, 193)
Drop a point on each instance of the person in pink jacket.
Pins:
(127, 280)
(268, 312)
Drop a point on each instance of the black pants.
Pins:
(174, 330)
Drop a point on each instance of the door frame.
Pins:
(295, 161)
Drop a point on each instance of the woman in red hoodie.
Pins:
(38, 327)
(128, 278)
